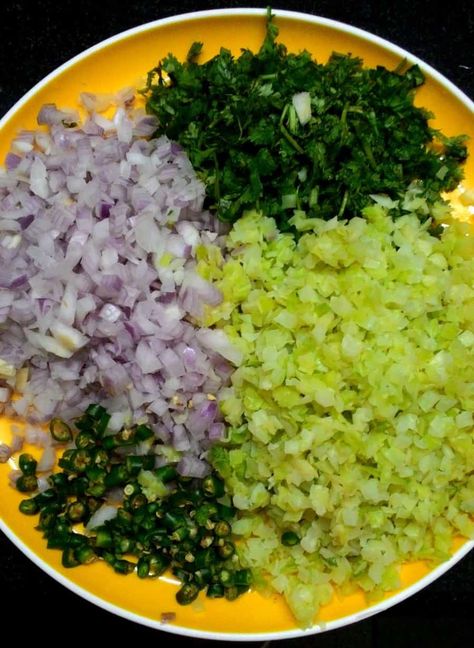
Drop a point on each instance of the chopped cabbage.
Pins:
(351, 412)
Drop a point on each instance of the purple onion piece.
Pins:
(12, 161)
(18, 282)
(104, 210)
(25, 221)
(216, 431)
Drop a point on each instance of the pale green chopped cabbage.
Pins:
(152, 486)
(351, 413)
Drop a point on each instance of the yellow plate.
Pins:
(122, 61)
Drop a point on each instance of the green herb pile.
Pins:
(165, 520)
(236, 118)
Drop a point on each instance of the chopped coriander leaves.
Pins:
(237, 121)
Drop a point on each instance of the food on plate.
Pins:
(136, 517)
(263, 285)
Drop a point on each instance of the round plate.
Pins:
(123, 61)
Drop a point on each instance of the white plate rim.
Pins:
(172, 628)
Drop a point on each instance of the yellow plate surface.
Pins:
(124, 61)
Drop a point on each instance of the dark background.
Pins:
(36, 37)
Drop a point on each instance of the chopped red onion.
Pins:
(5, 453)
(51, 116)
(47, 459)
(12, 161)
(101, 516)
(37, 436)
(13, 477)
(43, 484)
(201, 418)
(25, 221)
(191, 466)
(216, 431)
(96, 102)
(98, 235)
(216, 340)
(17, 443)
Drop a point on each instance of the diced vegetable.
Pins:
(162, 520)
(351, 412)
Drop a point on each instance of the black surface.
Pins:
(36, 37)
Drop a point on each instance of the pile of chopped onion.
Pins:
(99, 228)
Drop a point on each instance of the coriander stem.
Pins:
(343, 204)
(290, 139)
